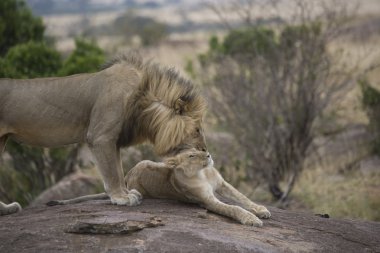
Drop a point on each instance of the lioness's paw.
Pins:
(125, 199)
(262, 212)
(250, 220)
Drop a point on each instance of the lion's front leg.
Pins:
(228, 191)
(108, 159)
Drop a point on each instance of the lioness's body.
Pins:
(128, 102)
(190, 179)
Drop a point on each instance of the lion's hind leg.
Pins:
(228, 191)
(9, 209)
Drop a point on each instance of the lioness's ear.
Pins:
(171, 162)
(179, 106)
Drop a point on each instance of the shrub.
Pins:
(18, 25)
(86, 58)
(371, 103)
(30, 60)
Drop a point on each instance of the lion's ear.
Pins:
(179, 106)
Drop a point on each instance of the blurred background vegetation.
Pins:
(292, 86)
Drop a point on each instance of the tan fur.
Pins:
(9, 209)
(190, 177)
(130, 101)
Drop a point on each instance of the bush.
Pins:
(30, 60)
(33, 169)
(18, 25)
(371, 103)
(86, 58)
(254, 41)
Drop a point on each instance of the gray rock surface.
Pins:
(184, 228)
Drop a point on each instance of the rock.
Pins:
(188, 228)
(121, 227)
(71, 186)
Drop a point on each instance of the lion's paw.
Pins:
(124, 199)
(136, 193)
(250, 220)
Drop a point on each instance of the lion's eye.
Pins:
(191, 155)
(198, 130)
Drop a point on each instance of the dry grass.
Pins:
(350, 195)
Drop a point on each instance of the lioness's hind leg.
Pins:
(228, 191)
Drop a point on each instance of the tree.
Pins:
(268, 87)
(18, 25)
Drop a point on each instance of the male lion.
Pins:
(190, 177)
(128, 102)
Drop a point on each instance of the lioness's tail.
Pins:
(99, 196)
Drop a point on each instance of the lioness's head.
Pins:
(190, 161)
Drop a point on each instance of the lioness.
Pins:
(190, 177)
(126, 103)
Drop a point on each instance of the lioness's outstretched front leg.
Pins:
(228, 191)
(235, 212)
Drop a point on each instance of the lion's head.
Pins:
(181, 130)
(173, 111)
(165, 108)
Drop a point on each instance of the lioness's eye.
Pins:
(191, 155)
(198, 130)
